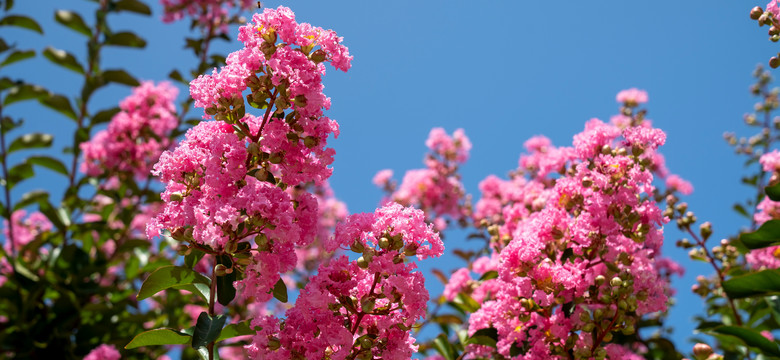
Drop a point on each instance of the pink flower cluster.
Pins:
(769, 257)
(136, 136)
(362, 308)
(287, 76)
(24, 230)
(103, 352)
(576, 244)
(207, 12)
(437, 189)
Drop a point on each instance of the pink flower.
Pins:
(382, 177)
(771, 161)
(103, 352)
(675, 182)
(632, 96)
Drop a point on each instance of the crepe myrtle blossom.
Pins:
(359, 308)
(103, 352)
(136, 136)
(576, 240)
(436, 189)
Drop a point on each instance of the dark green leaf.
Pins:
(444, 347)
(207, 329)
(238, 329)
(63, 58)
(762, 283)
(31, 197)
(751, 338)
(52, 214)
(31, 141)
(158, 337)
(487, 337)
(120, 77)
(133, 6)
(60, 104)
(280, 291)
(72, 21)
(492, 274)
(170, 276)
(126, 38)
(104, 116)
(24, 92)
(193, 257)
(766, 235)
(175, 75)
(9, 4)
(18, 55)
(226, 291)
(467, 302)
(6, 83)
(773, 192)
(22, 22)
(49, 163)
(19, 173)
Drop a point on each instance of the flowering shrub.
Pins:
(185, 236)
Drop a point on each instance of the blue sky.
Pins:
(502, 70)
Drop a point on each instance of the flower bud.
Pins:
(774, 62)
(384, 243)
(319, 56)
(262, 242)
(273, 343)
(367, 305)
(587, 182)
(362, 263)
(275, 158)
(310, 141)
(701, 351)
(177, 196)
(756, 12)
(600, 280)
(220, 270)
(616, 281)
(357, 246)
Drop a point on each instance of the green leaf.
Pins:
(133, 6)
(72, 21)
(3, 45)
(751, 338)
(120, 77)
(766, 235)
(22, 22)
(31, 141)
(492, 274)
(60, 104)
(63, 58)
(207, 329)
(237, 329)
(193, 257)
(49, 163)
(773, 192)
(19, 173)
(167, 277)
(24, 92)
(226, 291)
(126, 38)
(487, 337)
(31, 197)
(158, 337)
(9, 4)
(280, 291)
(762, 283)
(176, 75)
(467, 303)
(18, 55)
(444, 347)
(104, 116)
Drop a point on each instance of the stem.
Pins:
(268, 111)
(8, 207)
(718, 270)
(211, 303)
(603, 334)
(762, 173)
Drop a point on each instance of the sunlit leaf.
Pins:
(22, 22)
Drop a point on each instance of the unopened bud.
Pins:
(274, 343)
(275, 158)
(310, 141)
(220, 270)
(606, 150)
(384, 243)
(774, 62)
(357, 246)
(362, 263)
(756, 12)
(600, 280)
(177, 196)
(367, 305)
(706, 230)
(616, 281)
(701, 351)
(587, 182)
(319, 56)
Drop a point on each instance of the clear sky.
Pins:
(502, 70)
